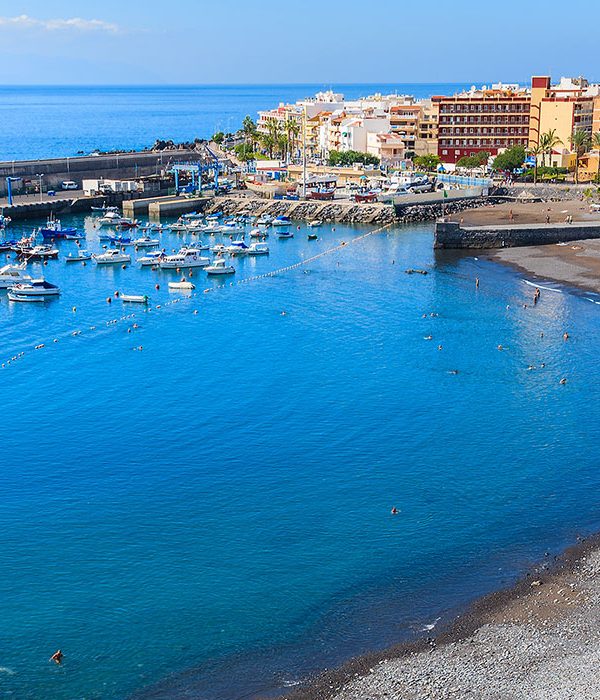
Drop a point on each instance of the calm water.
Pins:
(42, 122)
(210, 516)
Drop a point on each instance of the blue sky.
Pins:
(268, 41)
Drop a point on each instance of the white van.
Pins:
(69, 185)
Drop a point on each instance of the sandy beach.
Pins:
(538, 640)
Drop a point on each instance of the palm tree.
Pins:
(282, 145)
(596, 145)
(549, 141)
(536, 151)
(580, 142)
(268, 143)
(249, 129)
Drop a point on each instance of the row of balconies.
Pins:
(486, 143)
(524, 120)
(483, 107)
(499, 131)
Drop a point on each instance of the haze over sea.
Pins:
(210, 516)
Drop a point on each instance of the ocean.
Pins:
(196, 499)
(43, 122)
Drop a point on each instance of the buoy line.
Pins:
(113, 322)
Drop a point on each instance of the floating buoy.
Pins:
(394, 511)
(74, 309)
(109, 300)
(157, 286)
(123, 267)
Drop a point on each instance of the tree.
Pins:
(268, 143)
(292, 129)
(548, 142)
(511, 159)
(535, 151)
(244, 151)
(249, 131)
(596, 145)
(471, 162)
(218, 138)
(350, 157)
(580, 142)
(427, 162)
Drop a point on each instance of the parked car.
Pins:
(69, 185)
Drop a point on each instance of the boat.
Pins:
(121, 241)
(35, 288)
(219, 248)
(135, 298)
(314, 223)
(321, 193)
(7, 245)
(127, 223)
(281, 221)
(365, 197)
(237, 248)
(23, 297)
(312, 236)
(186, 257)
(54, 230)
(39, 252)
(285, 233)
(258, 233)
(220, 268)
(231, 228)
(104, 209)
(258, 249)
(211, 228)
(264, 220)
(111, 218)
(214, 217)
(181, 285)
(146, 242)
(13, 274)
(111, 257)
(152, 257)
(4, 221)
(79, 256)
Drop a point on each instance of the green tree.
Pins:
(580, 143)
(249, 131)
(348, 158)
(427, 162)
(244, 152)
(511, 159)
(477, 161)
(292, 129)
(219, 137)
(596, 145)
(549, 141)
(267, 142)
(535, 151)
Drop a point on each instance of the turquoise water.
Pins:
(51, 121)
(210, 516)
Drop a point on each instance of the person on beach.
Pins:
(57, 657)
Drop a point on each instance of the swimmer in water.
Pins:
(57, 657)
(565, 336)
(394, 511)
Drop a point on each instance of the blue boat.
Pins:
(281, 221)
(55, 231)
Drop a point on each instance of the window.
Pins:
(444, 153)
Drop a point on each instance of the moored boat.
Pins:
(135, 298)
(258, 249)
(186, 257)
(183, 284)
(152, 257)
(13, 274)
(111, 257)
(12, 296)
(54, 230)
(219, 267)
(34, 288)
(281, 221)
(285, 233)
(79, 256)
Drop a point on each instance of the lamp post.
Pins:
(40, 176)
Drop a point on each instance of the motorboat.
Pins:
(112, 256)
(121, 241)
(135, 298)
(186, 257)
(314, 224)
(127, 223)
(219, 249)
(79, 256)
(212, 228)
(7, 245)
(264, 220)
(152, 257)
(112, 218)
(54, 230)
(285, 233)
(39, 252)
(34, 288)
(13, 274)
(258, 249)
(153, 226)
(231, 228)
(281, 221)
(146, 242)
(182, 285)
(219, 267)
(258, 233)
(104, 209)
(21, 297)
(237, 248)
(214, 217)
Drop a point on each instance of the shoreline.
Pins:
(529, 604)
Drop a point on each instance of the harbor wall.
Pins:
(450, 235)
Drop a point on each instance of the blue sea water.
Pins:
(210, 516)
(47, 121)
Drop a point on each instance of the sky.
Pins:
(56, 42)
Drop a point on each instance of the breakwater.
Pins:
(449, 234)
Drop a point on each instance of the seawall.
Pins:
(449, 234)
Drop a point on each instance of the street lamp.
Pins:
(40, 176)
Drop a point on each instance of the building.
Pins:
(482, 120)
(389, 148)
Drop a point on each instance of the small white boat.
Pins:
(146, 242)
(35, 288)
(112, 257)
(258, 249)
(186, 257)
(113, 218)
(181, 285)
(264, 220)
(314, 224)
(237, 248)
(79, 256)
(39, 252)
(21, 297)
(135, 298)
(13, 274)
(219, 248)
(258, 233)
(285, 233)
(281, 221)
(214, 217)
(152, 257)
(220, 268)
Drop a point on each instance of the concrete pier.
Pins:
(176, 206)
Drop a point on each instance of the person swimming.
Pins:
(57, 657)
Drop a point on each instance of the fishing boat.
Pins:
(112, 257)
(135, 298)
(219, 249)
(79, 256)
(285, 233)
(314, 223)
(39, 252)
(121, 240)
(21, 297)
(13, 274)
(7, 245)
(321, 193)
(281, 221)
(186, 257)
(182, 285)
(258, 249)
(54, 230)
(152, 257)
(35, 288)
(146, 242)
(220, 268)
